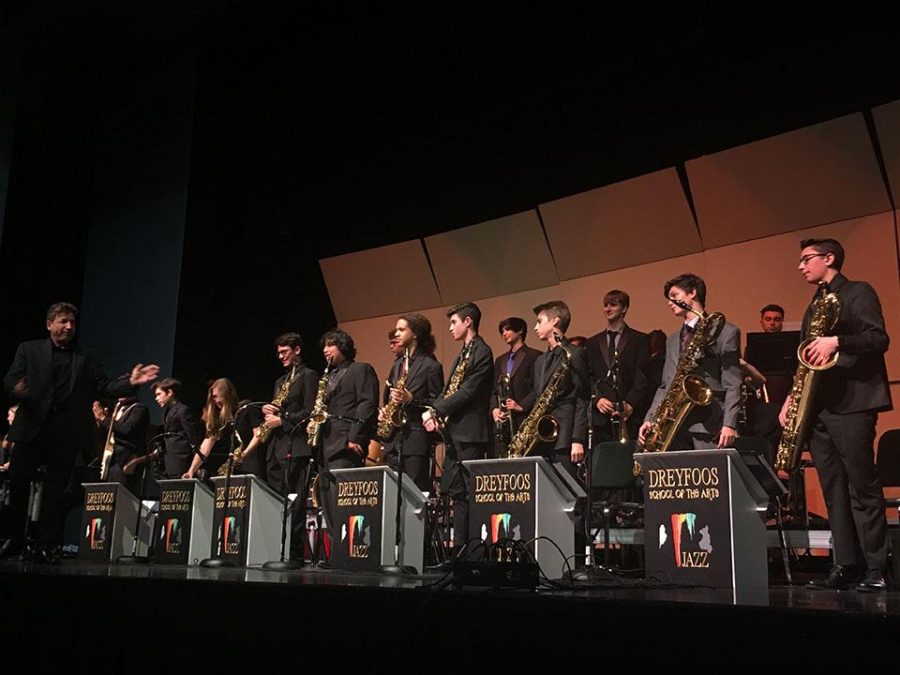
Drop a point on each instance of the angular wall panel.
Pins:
(821, 174)
(491, 258)
(887, 122)
(380, 281)
(620, 225)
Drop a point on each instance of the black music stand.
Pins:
(134, 558)
(612, 468)
(397, 568)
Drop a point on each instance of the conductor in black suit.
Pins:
(463, 405)
(617, 358)
(849, 397)
(516, 364)
(55, 382)
(351, 397)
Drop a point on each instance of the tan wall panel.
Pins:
(379, 281)
(887, 122)
(821, 174)
(620, 225)
(497, 257)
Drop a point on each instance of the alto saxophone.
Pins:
(826, 309)
(686, 389)
(319, 413)
(262, 431)
(393, 416)
(539, 425)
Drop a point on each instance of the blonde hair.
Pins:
(215, 417)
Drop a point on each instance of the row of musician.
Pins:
(524, 402)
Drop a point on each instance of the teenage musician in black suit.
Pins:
(352, 401)
(424, 381)
(847, 401)
(463, 407)
(617, 357)
(55, 382)
(183, 425)
(517, 365)
(130, 421)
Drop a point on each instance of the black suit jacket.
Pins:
(87, 384)
(466, 411)
(352, 400)
(295, 410)
(521, 380)
(569, 406)
(129, 431)
(633, 350)
(178, 418)
(425, 381)
(858, 382)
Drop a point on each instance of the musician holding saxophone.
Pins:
(512, 377)
(848, 396)
(461, 412)
(714, 367)
(617, 357)
(125, 429)
(416, 379)
(350, 409)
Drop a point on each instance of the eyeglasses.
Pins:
(809, 256)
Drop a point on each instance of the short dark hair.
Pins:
(515, 324)
(617, 297)
(832, 246)
(392, 335)
(772, 308)
(464, 310)
(556, 308)
(342, 340)
(687, 283)
(169, 384)
(59, 308)
(291, 340)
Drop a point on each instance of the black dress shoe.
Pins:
(838, 577)
(872, 582)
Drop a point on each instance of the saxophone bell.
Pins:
(547, 429)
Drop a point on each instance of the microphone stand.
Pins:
(586, 573)
(289, 564)
(220, 560)
(134, 558)
(397, 568)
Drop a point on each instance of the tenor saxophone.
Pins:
(539, 425)
(826, 309)
(262, 431)
(686, 389)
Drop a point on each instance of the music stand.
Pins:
(752, 450)
(612, 468)
(134, 558)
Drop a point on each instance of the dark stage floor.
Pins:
(224, 617)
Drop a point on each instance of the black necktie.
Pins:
(686, 333)
(611, 344)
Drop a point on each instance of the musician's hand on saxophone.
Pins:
(782, 416)
(271, 409)
(606, 406)
(401, 395)
(272, 420)
(430, 420)
(642, 432)
(820, 350)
